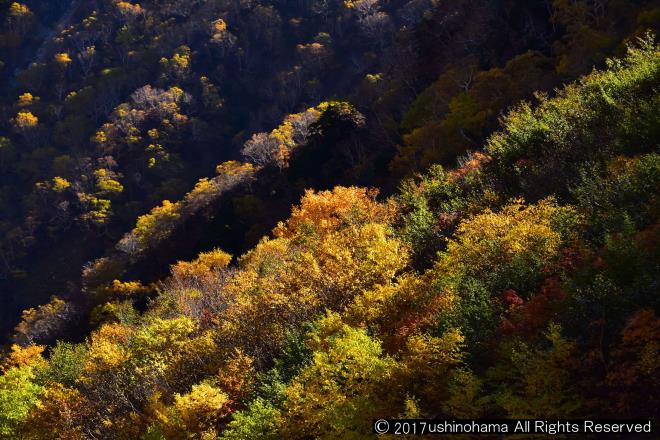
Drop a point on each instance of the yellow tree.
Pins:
(25, 121)
(335, 244)
(347, 384)
(20, 18)
(509, 248)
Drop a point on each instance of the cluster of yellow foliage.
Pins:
(178, 66)
(155, 225)
(62, 59)
(17, 9)
(26, 99)
(25, 120)
(128, 9)
(60, 184)
(335, 245)
(374, 349)
(106, 183)
(159, 223)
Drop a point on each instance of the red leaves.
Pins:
(415, 320)
(523, 164)
(476, 163)
(572, 258)
(207, 319)
(633, 366)
(511, 298)
(649, 238)
(507, 327)
(529, 318)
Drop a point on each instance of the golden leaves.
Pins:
(25, 120)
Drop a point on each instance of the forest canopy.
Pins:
(275, 220)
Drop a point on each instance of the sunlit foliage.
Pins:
(519, 282)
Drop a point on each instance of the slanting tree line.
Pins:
(520, 282)
(126, 104)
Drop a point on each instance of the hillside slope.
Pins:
(131, 104)
(522, 283)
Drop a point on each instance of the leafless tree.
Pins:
(261, 149)
(365, 8)
(302, 126)
(376, 26)
(86, 57)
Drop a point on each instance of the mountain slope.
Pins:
(520, 284)
(133, 103)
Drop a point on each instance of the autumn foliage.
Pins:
(518, 282)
